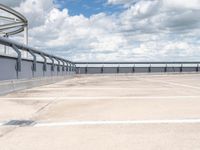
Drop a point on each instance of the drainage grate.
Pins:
(20, 123)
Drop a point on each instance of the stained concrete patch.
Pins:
(20, 123)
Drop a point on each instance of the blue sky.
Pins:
(88, 7)
(114, 30)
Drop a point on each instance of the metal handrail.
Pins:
(142, 63)
(23, 47)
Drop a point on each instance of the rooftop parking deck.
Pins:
(105, 112)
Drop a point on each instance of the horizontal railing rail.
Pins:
(129, 63)
(11, 43)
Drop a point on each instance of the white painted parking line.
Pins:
(97, 88)
(128, 122)
(174, 83)
(96, 97)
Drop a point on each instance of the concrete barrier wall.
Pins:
(8, 69)
(110, 70)
(21, 84)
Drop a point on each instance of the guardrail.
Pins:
(135, 67)
(22, 68)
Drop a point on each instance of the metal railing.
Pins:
(64, 64)
(136, 67)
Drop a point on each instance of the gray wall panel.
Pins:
(81, 70)
(39, 70)
(110, 70)
(125, 69)
(26, 70)
(190, 69)
(7, 68)
(94, 70)
(173, 69)
(141, 69)
(157, 69)
(48, 71)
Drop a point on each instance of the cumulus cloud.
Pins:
(182, 4)
(35, 10)
(117, 2)
(144, 30)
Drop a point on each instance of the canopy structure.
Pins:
(12, 22)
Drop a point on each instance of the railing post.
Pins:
(63, 67)
(181, 69)
(34, 61)
(45, 62)
(102, 69)
(133, 69)
(67, 67)
(19, 59)
(52, 61)
(86, 70)
(58, 67)
(149, 68)
(74, 68)
(70, 67)
(5, 47)
(118, 69)
(165, 70)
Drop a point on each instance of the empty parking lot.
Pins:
(112, 112)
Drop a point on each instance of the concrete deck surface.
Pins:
(110, 112)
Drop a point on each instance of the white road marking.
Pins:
(173, 83)
(97, 88)
(96, 97)
(122, 122)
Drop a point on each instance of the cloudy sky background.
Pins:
(114, 30)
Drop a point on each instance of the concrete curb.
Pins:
(16, 85)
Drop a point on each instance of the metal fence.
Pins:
(135, 67)
(42, 64)
(17, 67)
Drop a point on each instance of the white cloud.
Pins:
(35, 10)
(145, 30)
(11, 3)
(116, 2)
(182, 4)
